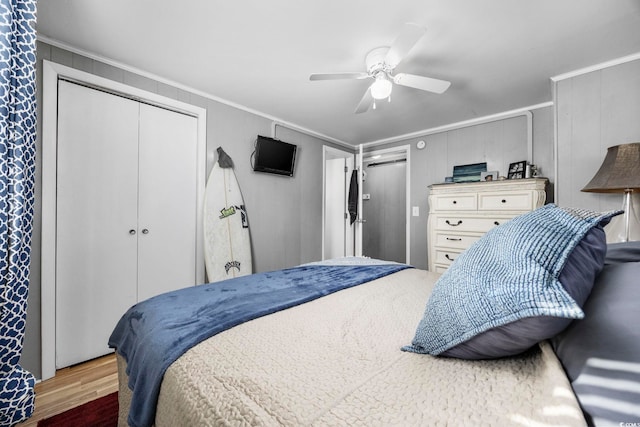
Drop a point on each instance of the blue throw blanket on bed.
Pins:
(154, 333)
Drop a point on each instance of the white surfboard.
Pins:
(227, 245)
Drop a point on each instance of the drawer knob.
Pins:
(454, 225)
(496, 223)
(455, 202)
(454, 239)
(448, 257)
(504, 201)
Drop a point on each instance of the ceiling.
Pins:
(499, 55)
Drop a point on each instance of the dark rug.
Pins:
(102, 412)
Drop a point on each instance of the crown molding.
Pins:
(596, 67)
(462, 124)
(189, 89)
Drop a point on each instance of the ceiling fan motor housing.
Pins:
(375, 61)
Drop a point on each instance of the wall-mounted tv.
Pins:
(273, 156)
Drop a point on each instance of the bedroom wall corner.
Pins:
(543, 151)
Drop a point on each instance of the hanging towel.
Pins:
(353, 196)
(223, 159)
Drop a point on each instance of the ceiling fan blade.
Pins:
(365, 102)
(338, 76)
(421, 82)
(408, 37)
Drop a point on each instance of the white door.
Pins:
(96, 209)
(126, 213)
(167, 201)
(338, 233)
(335, 209)
(361, 218)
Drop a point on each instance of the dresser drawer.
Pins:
(457, 241)
(505, 202)
(461, 213)
(454, 223)
(441, 268)
(457, 202)
(446, 256)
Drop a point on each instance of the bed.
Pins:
(348, 355)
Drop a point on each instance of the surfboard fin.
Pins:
(224, 160)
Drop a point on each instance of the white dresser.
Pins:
(460, 214)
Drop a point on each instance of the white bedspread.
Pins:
(337, 361)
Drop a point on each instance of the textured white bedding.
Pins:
(337, 361)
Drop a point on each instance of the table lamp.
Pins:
(620, 173)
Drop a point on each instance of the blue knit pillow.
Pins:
(511, 274)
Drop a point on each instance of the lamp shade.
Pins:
(619, 171)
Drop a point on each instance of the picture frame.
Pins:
(517, 170)
(468, 173)
(489, 176)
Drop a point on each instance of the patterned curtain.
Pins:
(17, 168)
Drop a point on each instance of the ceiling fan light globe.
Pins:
(381, 88)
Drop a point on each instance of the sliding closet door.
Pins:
(167, 204)
(96, 244)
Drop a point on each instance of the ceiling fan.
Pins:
(380, 64)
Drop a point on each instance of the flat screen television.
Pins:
(273, 156)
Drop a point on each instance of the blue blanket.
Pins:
(154, 333)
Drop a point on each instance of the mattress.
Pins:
(337, 361)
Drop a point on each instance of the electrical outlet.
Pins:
(416, 211)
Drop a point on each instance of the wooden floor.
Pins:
(74, 386)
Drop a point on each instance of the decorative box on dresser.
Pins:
(460, 213)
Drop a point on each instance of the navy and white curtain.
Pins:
(17, 168)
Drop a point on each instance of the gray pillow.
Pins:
(577, 278)
(601, 353)
(623, 252)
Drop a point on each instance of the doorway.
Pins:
(384, 202)
(342, 238)
(384, 222)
